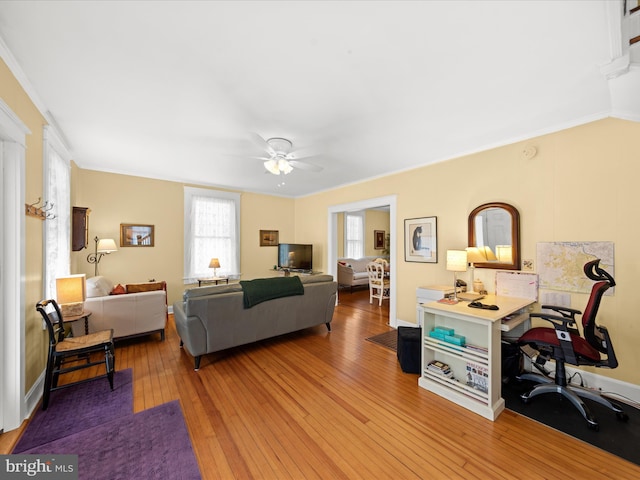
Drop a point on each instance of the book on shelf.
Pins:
(478, 376)
(477, 348)
(440, 368)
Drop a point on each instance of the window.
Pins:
(57, 191)
(211, 230)
(354, 234)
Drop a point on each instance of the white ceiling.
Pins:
(172, 90)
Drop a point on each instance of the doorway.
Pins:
(332, 241)
(12, 316)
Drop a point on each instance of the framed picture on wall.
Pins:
(421, 240)
(134, 235)
(268, 238)
(378, 239)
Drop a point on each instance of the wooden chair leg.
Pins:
(47, 381)
(109, 362)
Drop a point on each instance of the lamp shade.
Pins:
(457, 260)
(488, 253)
(475, 255)
(71, 293)
(504, 253)
(106, 245)
(214, 263)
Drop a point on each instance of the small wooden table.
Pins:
(215, 280)
(75, 318)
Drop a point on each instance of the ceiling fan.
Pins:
(281, 159)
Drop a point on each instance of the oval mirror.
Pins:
(494, 229)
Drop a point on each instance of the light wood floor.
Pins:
(332, 405)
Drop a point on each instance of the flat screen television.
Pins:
(295, 256)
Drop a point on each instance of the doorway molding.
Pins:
(332, 241)
(12, 266)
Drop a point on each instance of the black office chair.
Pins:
(76, 350)
(563, 344)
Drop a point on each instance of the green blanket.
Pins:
(263, 289)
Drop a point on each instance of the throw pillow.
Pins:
(98, 287)
(145, 287)
(118, 290)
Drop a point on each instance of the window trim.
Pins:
(189, 193)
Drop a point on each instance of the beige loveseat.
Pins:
(214, 318)
(142, 310)
(352, 272)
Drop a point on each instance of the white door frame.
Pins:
(12, 268)
(332, 242)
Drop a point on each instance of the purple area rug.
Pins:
(152, 444)
(78, 408)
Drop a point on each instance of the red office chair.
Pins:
(563, 344)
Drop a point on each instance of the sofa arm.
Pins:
(345, 275)
(192, 332)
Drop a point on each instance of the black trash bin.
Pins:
(409, 349)
(512, 361)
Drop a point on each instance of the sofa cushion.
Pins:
(316, 278)
(145, 287)
(98, 287)
(210, 290)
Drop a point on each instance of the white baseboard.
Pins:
(618, 390)
(32, 399)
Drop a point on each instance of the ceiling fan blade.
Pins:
(262, 143)
(305, 166)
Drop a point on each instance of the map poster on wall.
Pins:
(560, 264)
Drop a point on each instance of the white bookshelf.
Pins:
(482, 329)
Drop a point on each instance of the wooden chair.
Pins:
(76, 350)
(378, 284)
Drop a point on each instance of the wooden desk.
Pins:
(482, 329)
(75, 318)
(215, 280)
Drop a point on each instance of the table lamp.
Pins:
(214, 263)
(456, 262)
(71, 294)
(476, 255)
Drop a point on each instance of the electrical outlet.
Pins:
(527, 265)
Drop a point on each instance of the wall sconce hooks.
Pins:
(43, 212)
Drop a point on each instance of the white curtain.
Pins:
(57, 231)
(211, 231)
(354, 235)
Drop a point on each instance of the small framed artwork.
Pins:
(420, 240)
(378, 239)
(134, 235)
(268, 238)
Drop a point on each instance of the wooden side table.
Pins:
(214, 280)
(75, 318)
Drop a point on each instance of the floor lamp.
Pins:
(103, 247)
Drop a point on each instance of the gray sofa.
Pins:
(210, 319)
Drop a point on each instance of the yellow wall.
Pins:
(374, 220)
(115, 199)
(581, 186)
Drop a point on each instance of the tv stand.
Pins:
(297, 271)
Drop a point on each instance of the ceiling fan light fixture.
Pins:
(280, 145)
(272, 166)
(284, 166)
